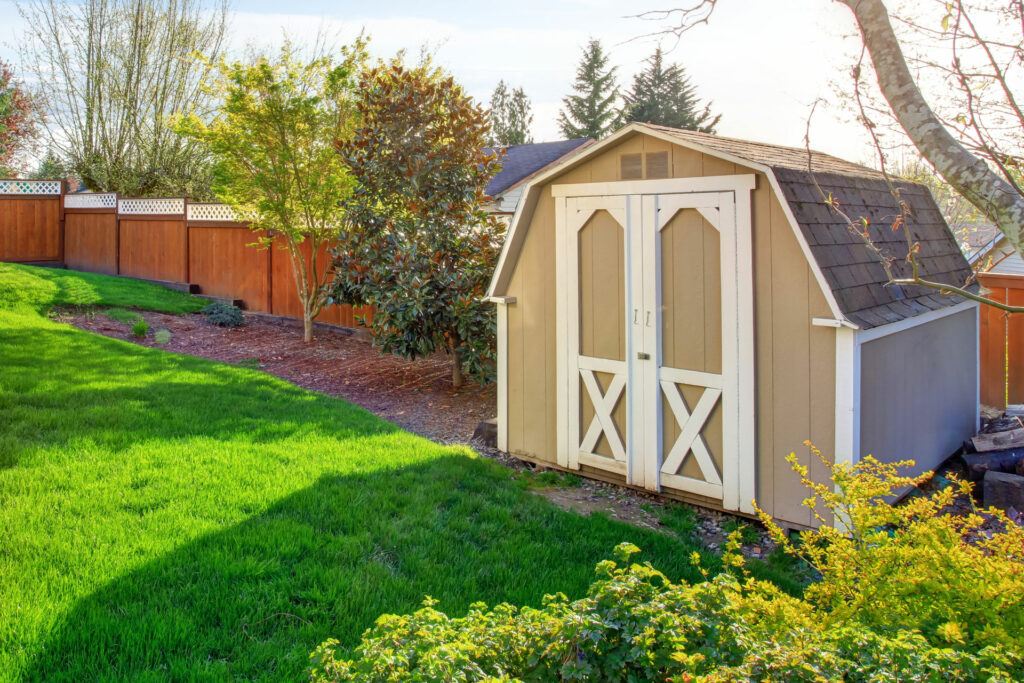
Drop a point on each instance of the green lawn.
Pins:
(169, 518)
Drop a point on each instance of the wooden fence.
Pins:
(1002, 343)
(164, 239)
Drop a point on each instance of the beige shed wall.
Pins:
(795, 361)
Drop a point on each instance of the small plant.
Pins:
(123, 315)
(680, 519)
(140, 328)
(251, 363)
(224, 315)
(551, 479)
(747, 533)
(162, 336)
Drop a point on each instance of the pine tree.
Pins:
(662, 94)
(511, 116)
(591, 112)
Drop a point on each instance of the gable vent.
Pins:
(631, 167)
(657, 165)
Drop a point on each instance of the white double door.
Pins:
(652, 369)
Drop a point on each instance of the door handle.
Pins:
(648, 318)
(636, 312)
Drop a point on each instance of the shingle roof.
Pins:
(522, 161)
(852, 270)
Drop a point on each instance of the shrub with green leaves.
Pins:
(224, 315)
(876, 614)
(162, 336)
(140, 328)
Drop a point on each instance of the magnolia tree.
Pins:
(421, 249)
(275, 162)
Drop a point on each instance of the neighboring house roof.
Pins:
(850, 268)
(522, 161)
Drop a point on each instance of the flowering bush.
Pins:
(906, 593)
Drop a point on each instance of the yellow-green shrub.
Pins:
(903, 596)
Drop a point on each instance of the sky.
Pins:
(761, 63)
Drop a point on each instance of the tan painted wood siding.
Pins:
(795, 361)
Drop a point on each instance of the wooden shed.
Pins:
(679, 312)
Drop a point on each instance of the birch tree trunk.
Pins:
(970, 175)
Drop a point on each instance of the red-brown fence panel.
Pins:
(30, 221)
(90, 232)
(1002, 342)
(285, 299)
(224, 260)
(153, 240)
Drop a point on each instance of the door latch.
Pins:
(643, 356)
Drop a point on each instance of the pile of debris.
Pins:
(995, 458)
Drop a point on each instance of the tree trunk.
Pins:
(969, 175)
(307, 327)
(457, 379)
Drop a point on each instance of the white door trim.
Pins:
(725, 202)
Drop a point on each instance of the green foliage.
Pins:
(591, 112)
(662, 94)
(273, 141)
(511, 116)
(224, 315)
(931, 623)
(422, 248)
(745, 532)
(51, 166)
(140, 328)
(162, 336)
(250, 363)
(548, 479)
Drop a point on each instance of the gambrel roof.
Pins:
(851, 273)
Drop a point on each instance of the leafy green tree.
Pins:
(592, 112)
(511, 116)
(275, 163)
(18, 119)
(422, 248)
(662, 94)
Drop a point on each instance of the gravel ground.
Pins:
(416, 395)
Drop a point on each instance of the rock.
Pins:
(1003, 491)
(486, 433)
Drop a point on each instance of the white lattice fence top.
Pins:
(147, 207)
(210, 212)
(30, 187)
(106, 200)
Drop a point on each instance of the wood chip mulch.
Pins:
(416, 395)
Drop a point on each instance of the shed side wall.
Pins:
(795, 360)
(918, 391)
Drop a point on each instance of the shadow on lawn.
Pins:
(252, 601)
(376, 518)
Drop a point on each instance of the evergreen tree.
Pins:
(511, 116)
(591, 112)
(51, 167)
(662, 94)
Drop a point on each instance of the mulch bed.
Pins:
(416, 395)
